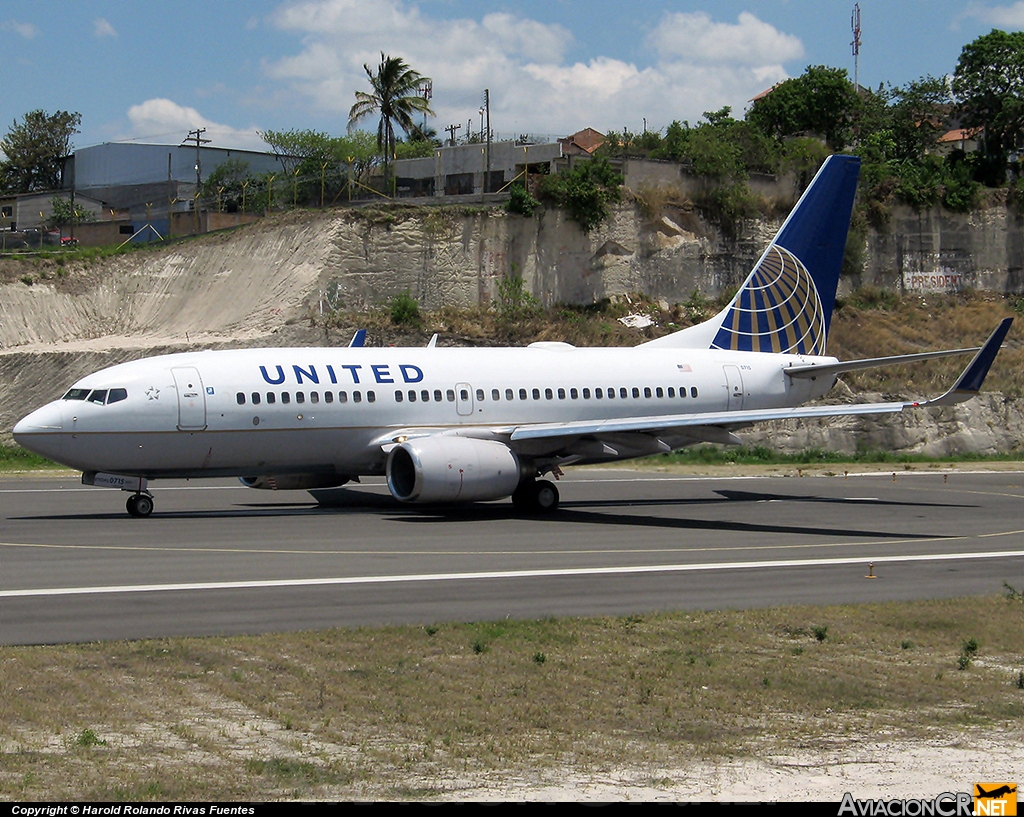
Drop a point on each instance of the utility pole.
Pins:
(451, 133)
(487, 105)
(855, 25)
(426, 90)
(197, 137)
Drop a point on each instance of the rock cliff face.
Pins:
(937, 251)
(241, 287)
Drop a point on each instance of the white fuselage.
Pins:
(330, 410)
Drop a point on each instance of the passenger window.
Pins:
(480, 395)
(371, 396)
(357, 397)
(659, 392)
(328, 397)
(117, 395)
(611, 394)
(271, 397)
(437, 396)
(255, 398)
(647, 391)
(682, 391)
(509, 394)
(522, 394)
(598, 393)
(575, 395)
(671, 391)
(240, 398)
(399, 397)
(425, 396)
(342, 397)
(586, 394)
(300, 397)
(561, 394)
(450, 395)
(547, 394)
(98, 396)
(693, 391)
(412, 395)
(636, 393)
(495, 394)
(536, 394)
(314, 397)
(286, 397)
(464, 395)
(77, 394)
(624, 394)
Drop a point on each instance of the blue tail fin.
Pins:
(785, 305)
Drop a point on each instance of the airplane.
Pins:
(476, 424)
(995, 793)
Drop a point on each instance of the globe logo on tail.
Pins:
(777, 310)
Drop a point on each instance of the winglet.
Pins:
(359, 338)
(969, 383)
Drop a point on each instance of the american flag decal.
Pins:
(684, 367)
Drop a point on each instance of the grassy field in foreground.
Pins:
(417, 712)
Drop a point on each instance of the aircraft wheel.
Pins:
(132, 505)
(545, 496)
(143, 505)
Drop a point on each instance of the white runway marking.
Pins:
(509, 574)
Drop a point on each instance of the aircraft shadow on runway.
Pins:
(345, 501)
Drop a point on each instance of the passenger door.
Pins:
(191, 398)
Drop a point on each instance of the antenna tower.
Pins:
(855, 25)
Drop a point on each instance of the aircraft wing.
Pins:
(966, 386)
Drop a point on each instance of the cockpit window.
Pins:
(98, 396)
(77, 394)
(117, 395)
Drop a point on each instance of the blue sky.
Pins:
(152, 71)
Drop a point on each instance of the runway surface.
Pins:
(219, 558)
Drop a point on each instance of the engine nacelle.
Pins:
(451, 469)
(293, 482)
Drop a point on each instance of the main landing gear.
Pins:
(535, 496)
(139, 505)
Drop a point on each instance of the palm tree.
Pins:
(396, 97)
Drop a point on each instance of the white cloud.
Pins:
(102, 28)
(26, 31)
(1011, 16)
(696, 38)
(697, 64)
(162, 120)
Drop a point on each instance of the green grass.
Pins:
(16, 458)
(761, 455)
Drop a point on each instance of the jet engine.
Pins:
(451, 469)
(294, 482)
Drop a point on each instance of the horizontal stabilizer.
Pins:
(814, 371)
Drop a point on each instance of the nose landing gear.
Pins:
(140, 505)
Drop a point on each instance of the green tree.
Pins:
(821, 101)
(35, 149)
(989, 85)
(585, 191)
(918, 114)
(63, 213)
(395, 97)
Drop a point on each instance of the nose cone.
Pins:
(40, 432)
